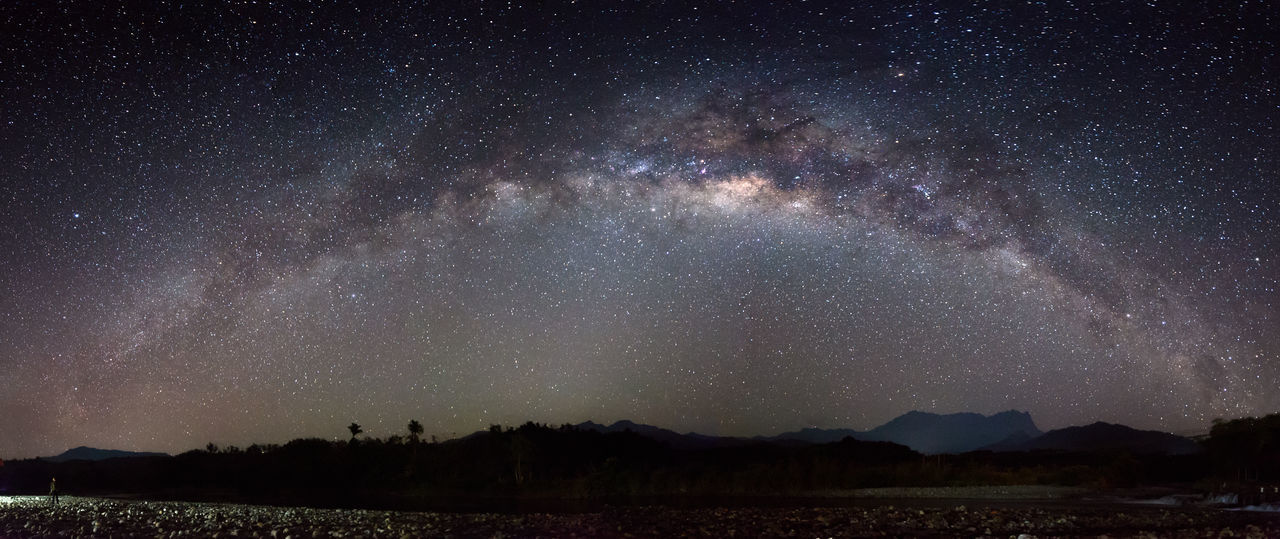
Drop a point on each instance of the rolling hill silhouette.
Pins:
(952, 433)
(932, 433)
(1102, 437)
(93, 453)
(691, 440)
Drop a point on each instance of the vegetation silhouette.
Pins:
(502, 466)
(1247, 449)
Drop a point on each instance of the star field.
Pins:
(251, 222)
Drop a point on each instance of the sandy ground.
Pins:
(93, 517)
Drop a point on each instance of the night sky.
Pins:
(257, 221)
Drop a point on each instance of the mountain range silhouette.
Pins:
(924, 432)
(934, 434)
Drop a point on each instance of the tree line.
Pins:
(535, 461)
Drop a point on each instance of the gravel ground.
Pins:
(92, 517)
(1009, 492)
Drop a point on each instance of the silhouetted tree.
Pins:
(415, 430)
(1248, 448)
(355, 429)
(521, 448)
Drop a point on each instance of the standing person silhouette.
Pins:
(53, 491)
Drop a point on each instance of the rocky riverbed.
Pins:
(93, 517)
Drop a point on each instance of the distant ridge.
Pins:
(92, 453)
(1103, 437)
(932, 433)
(691, 440)
(814, 435)
(952, 433)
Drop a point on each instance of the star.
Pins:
(731, 220)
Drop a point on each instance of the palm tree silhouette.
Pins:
(355, 429)
(415, 430)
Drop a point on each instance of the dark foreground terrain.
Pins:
(94, 517)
